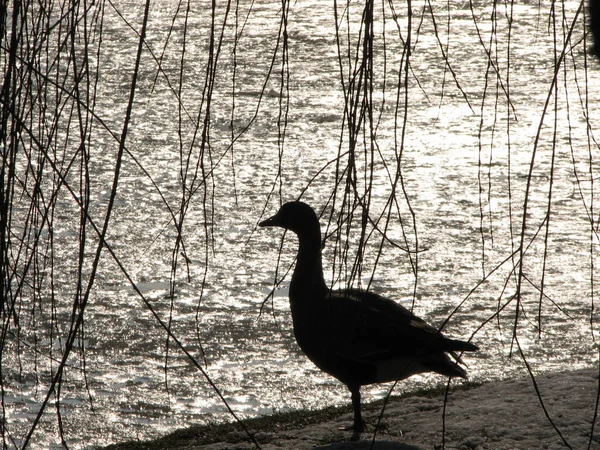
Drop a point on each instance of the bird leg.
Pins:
(359, 424)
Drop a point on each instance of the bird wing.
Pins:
(368, 327)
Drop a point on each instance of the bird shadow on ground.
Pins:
(367, 445)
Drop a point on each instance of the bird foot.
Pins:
(364, 428)
(358, 428)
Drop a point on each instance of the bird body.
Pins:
(357, 336)
(373, 338)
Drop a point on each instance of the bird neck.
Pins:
(307, 280)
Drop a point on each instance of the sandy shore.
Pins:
(497, 415)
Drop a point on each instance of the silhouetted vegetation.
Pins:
(143, 114)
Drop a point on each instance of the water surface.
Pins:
(466, 158)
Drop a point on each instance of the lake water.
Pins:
(444, 164)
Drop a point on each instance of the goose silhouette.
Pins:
(357, 336)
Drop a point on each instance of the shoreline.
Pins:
(497, 415)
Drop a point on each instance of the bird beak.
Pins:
(270, 222)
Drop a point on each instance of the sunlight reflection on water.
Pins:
(252, 357)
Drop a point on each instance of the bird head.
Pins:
(295, 216)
